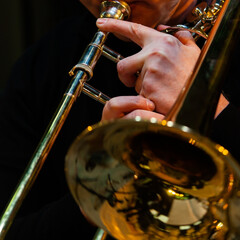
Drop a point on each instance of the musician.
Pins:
(39, 80)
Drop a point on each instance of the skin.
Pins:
(162, 58)
(157, 63)
(146, 12)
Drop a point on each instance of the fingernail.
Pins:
(101, 21)
(150, 104)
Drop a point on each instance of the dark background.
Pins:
(23, 22)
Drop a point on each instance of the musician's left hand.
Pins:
(128, 107)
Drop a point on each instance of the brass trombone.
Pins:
(82, 72)
(165, 179)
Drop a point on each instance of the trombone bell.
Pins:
(126, 178)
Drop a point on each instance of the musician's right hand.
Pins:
(164, 63)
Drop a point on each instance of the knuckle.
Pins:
(170, 40)
(121, 66)
(155, 66)
(111, 105)
(135, 29)
(138, 101)
(157, 54)
(113, 23)
(147, 88)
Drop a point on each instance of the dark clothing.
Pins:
(37, 84)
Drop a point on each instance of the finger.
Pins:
(162, 27)
(133, 31)
(184, 36)
(146, 115)
(118, 107)
(128, 69)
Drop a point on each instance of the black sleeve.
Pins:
(231, 86)
(58, 220)
(36, 85)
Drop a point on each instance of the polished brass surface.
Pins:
(115, 9)
(153, 180)
(165, 179)
(201, 19)
(81, 73)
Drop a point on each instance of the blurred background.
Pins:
(23, 22)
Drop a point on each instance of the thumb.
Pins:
(184, 36)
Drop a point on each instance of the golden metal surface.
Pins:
(141, 180)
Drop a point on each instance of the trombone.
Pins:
(82, 72)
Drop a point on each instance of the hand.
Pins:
(222, 104)
(165, 61)
(128, 107)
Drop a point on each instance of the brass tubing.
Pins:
(95, 94)
(111, 55)
(82, 72)
(201, 94)
(40, 155)
(100, 235)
